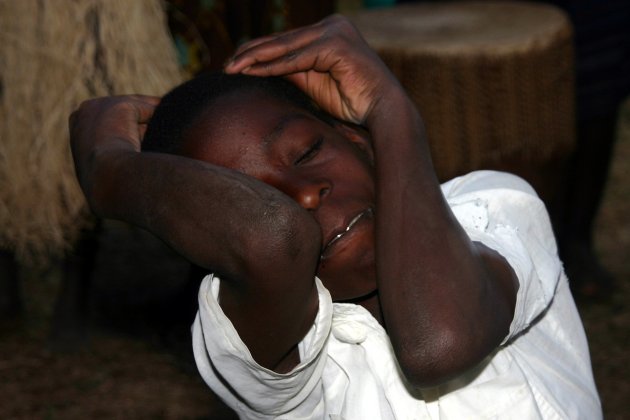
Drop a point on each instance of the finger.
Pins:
(284, 45)
(254, 42)
(143, 107)
(299, 79)
(257, 41)
(142, 129)
(313, 57)
(150, 99)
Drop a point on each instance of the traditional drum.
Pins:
(493, 80)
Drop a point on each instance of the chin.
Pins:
(350, 274)
(358, 299)
(350, 285)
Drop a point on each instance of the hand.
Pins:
(102, 128)
(329, 61)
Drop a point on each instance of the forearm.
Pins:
(435, 285)
(263, 245)
(215, 217)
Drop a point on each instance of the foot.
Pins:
(588, 279)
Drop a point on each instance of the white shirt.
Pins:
(348, 369)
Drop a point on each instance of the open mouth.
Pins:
(365, 213)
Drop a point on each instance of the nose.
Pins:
(309, 194)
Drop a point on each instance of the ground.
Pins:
(138, 365)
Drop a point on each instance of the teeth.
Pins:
(352, 223)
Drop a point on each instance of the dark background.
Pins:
(137, 360)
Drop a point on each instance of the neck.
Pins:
(373, 305)
(371, 302)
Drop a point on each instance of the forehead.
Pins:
(237, 127)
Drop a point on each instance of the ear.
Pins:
(358, 136)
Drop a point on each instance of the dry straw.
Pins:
(53, 55)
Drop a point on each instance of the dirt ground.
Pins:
(138, 365)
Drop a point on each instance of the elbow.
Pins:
(296, 237)
(429, 374)
(288, 237)
(437, 361)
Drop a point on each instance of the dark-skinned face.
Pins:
(327, 169)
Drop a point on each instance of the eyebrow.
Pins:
(278, 129)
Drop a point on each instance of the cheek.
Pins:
(276, 179)
(354, 169)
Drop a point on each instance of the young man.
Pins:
(458, 304)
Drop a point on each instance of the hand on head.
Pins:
(329, 60)
(104, 127)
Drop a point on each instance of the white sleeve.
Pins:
(504, 213)
(253, 391)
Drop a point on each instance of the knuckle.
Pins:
(122, 106)
(341, 29)
(335, 18)
(72, 119)
(84, 105)
(291, 55)
(267, 68)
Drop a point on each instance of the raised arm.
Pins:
(262, 244)
(447, 302)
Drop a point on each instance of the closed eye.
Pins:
(310, 152)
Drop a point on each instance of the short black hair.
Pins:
(179, 109)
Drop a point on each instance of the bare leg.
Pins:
(70, 320)
(585, 188)
(10, 296)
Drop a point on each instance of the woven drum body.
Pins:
(492, 80)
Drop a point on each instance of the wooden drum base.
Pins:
(492, 80)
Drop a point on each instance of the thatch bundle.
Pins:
(53, 55)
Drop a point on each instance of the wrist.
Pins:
(393, 100)
(109, 173)
(398, 133)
